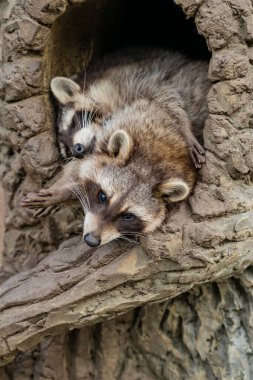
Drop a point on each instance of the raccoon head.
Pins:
(78, 122)
(121, 196)
(82, 111)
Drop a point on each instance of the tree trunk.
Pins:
(176, 306)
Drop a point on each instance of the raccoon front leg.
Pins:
(47, 201)
(62, 191)
(170, 101)
(197, 152)
(47, 197)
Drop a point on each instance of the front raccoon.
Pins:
(171, 81)
(140, 166)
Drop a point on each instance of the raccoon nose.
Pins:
(92, 240)
(78, 150)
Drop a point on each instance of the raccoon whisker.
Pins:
(76, 190)
(74, 176)
(81, 197)
(125, 239)
(133, 233)
(80, 200)
(84, 123)
(84, 112)
(73, 190)
(84, 82)
(78, 121)
(129, 240)
(139, 234)
(87, 197)
(148, 236)
(91, 114)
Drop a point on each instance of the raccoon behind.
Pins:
(172, 81)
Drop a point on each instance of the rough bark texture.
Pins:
(203, 334)
(206, 333)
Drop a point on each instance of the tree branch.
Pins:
(76, 286)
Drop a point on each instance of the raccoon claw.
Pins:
(45, 192)
(40, 203)
(25, 201)
(36, 200)
(197, 154)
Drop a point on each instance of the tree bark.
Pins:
(205, 333)
(74, 286)
(199, 263)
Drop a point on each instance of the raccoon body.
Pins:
(140, 168)
(142, 111)
(173, 82)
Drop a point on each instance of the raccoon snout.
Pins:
(78, 150)
(92, 240)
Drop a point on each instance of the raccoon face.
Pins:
(78, 122)
(118, 198)
(80, 132)
(82, 112)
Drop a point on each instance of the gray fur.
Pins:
(175, 83)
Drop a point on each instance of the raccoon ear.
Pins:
(65, 90)
(174, 190)
(120, 146)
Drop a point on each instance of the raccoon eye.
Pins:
(128, 216)
(78, 150)
(102, 197)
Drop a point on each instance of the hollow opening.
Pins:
(86, 29)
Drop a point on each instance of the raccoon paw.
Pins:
(43, 199)
(197, 153)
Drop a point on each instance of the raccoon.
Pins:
(76, 127)
(172, 81)
(146, 111)
(140, 168)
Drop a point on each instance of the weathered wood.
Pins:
(74, 286)
(208, 239)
